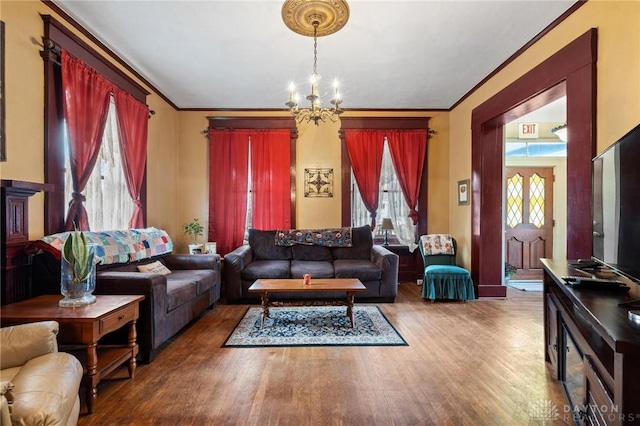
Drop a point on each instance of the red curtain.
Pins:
(365, 152)
(271, 177)
(228, 180)
(408, 148)
(86, 97)
(133, 117)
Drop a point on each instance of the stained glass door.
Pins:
(529, 219)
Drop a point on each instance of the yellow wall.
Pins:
(24, 78)
(318, 146)
(618, 90)
(177, 160)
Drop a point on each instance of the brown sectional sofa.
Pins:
(171, 301)
(374, 265)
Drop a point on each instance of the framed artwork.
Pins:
(463, 192)
(210, 248)
(318, 182)
(3, 143)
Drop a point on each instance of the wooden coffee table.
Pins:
(265, 286)
(85, 325)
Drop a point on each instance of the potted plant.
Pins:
(78, 271)
(509, 271)
(196, 229)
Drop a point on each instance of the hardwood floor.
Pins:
(474, 363)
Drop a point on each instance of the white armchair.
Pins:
(38, 384)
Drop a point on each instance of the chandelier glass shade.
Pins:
(317, 18)
(560, 132)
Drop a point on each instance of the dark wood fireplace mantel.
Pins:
(14, 271)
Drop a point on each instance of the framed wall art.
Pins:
(463, 192)
(318, 182)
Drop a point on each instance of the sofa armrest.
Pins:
(192, 261)
(46, 390)
(234, 263)
(153, 308)
(388, 262)
(20, 343)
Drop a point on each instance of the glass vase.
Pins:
(77, 293)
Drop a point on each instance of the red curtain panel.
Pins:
(133, 117)
(228, 180)
(408, 148)
(365, 152)
(86, 104)
(271, 179)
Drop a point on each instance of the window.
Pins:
(57, 37)
(108, 202)
(391, 202)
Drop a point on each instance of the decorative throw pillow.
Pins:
(154, 268)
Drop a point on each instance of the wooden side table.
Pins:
(85, 325)
(409, 264)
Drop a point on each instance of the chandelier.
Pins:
(315, 18)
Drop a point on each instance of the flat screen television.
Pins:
(616, 206)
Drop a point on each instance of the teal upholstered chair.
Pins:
(442, 278)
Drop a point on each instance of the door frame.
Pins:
(572, 72)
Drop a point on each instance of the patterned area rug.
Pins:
(314, 326)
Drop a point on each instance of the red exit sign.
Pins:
(528, 130)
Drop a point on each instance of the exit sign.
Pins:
(528, 130)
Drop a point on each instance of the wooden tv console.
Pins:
(593, 347)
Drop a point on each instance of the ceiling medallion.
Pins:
(315, 18)
(299, 16)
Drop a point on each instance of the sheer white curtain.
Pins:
(108, 203)
(391, 205)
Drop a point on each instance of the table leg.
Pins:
(91, 377)
(133, 346)
(350, 297)
(265, 307)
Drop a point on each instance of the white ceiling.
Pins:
(238, 54)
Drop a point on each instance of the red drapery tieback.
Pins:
(86, 96)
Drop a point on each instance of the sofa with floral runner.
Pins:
(177, 287)
(321, 253)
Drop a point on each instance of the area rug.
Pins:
(526, 285)
(314, 326)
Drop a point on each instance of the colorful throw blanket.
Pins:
(113, 246)
(437, 244)
(331, 237)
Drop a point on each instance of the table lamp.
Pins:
(386, 225)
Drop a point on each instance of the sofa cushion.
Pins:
(362, 244)
(263, 246)
(364, 270)
(303, 252)
(317, 269)
(204, 278)
(266, 269)
(180, 290)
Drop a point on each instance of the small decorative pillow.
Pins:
(154, 268)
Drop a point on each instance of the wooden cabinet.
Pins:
(592, 347)
(409, 264)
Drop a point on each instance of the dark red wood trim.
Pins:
(266, 123)
(253, 123)
(61, 36)
(54, 116)
(381, 123)
(520, 51)
(571, 70)
(384, 123)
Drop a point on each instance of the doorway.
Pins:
(569, 72)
